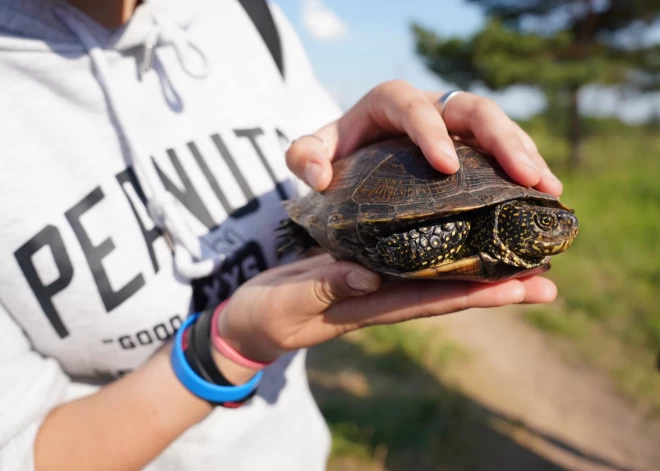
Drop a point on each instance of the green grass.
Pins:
(425, 348)
(573, 325)
(413, 429)
(349, 439)
(610, 278)
(410, 419)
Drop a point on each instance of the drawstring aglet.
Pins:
(148, 54)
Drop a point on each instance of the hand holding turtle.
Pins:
(314, 300)
(396, 108)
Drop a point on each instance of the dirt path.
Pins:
(566, 413)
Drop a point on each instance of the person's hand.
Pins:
(398, 108)
(313, 300)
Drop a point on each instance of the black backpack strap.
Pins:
(260, 15)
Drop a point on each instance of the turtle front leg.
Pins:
(422, 247)
(290, 236)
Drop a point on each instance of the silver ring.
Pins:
(444, 99)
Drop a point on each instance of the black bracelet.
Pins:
(192, 359)
(200, 343)
(199, 357)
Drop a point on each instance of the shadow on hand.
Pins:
(388, 408)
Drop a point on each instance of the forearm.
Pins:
(124, 425)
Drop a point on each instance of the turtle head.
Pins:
(536, 231)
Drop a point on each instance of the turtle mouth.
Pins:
(540, 249)
(421, 247)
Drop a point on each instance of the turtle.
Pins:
(388, 209)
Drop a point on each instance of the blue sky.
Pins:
(365, 42)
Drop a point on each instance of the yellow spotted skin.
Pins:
(516, 233)
(535, 232)
(423, 247)
(521, 234)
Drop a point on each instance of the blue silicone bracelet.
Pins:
(197, 385)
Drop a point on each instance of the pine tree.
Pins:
(557, 45)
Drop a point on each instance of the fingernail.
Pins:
(450, 152)
(358, 282)
(313, 174)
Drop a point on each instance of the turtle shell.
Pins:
(390, 186)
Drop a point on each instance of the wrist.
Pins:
(235, 373)
(257, 352)
(160, 366)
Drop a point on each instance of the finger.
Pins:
(539, 290)
(319, 288)
(309, 159)
(399, 107)
(549, 183)
(469, 115)
(402, 301)
(301, 266)
(393, 108)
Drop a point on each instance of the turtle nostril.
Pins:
(570, 223)
(569, 218)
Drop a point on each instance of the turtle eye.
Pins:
(546, 221)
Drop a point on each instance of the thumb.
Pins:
(326, 285)
(309, 158)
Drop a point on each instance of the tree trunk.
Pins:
(574, 130)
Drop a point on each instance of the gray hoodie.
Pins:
(177, 121)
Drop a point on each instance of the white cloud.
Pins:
(322, 23)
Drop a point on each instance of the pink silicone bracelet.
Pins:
(227, 350)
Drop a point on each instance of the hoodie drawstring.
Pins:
(163, 208)
(166, 33)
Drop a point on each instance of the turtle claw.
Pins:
(287, 246)
(283, 225)
(290, 235)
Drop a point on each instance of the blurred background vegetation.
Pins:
(557, 45)
(396, 408)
